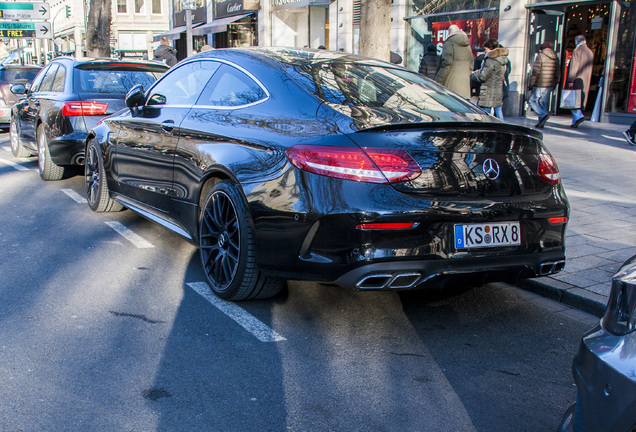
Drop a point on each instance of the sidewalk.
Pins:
(598, 170)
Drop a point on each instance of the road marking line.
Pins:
(74, 196)
(7, 148)
(14, 165)
(135, 239)
(250, 323)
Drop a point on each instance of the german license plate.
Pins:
(487, 235)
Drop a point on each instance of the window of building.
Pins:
(140, 6)
(621, 95)
(156, 6)
(122, 6)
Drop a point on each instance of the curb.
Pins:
(567, 294)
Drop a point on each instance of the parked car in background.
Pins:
(11, 74)
(604, 368)
(314, 165)
(66, 99)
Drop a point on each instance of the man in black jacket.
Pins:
(166, 53)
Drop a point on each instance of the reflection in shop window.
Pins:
(621, 97)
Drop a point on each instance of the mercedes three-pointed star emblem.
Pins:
(491, 169)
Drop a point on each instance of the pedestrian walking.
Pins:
(475, 85)
(580, 75)
(546, 72)
(165, 52)
(429, 62)
(456, 62)
(491, 76)
(630, 134)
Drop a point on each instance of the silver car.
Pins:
(13, 74)
(604, 368)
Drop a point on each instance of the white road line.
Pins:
(7, 148)
(74, 196)
(14, 165)
(138, 241)
(253, 325)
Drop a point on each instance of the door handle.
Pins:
(167, 125)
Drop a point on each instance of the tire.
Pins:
(97, 195)
(226, 242)
(17, 148)
(48, 169)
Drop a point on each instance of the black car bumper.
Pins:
(68, 149)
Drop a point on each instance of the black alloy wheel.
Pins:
(227, 248)
(17, 148)
(97, 194)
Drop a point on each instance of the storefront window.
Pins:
(300, 27)
(621, 97)
(430, 21)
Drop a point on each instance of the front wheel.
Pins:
(226, 242)
(17, 148)
(49, 170)
(97, 195)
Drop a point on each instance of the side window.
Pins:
(35, 85)
(48, 79)
(60, 77)
(231, 87)
(183, 85)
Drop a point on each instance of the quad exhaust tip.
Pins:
(380, 281)
(551, 267)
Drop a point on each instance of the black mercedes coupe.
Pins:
(314, 165)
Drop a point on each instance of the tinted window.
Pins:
(373, 86)
(48, 79)
(231, 87)
(21, 75)
(183, 85)
(60, 77)
(112, 81)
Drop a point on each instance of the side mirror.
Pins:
(18, 89)
(135, 96)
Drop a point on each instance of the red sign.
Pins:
(631, 107)
(478, 31)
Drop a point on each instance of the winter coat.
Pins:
(546, 69)
(167, 54)
(429, 64)
(491, 77)
(580, 71)
(456, 64)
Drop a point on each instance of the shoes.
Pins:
(542, 121)
(630, 139)
(577, 123)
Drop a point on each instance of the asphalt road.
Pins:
(107, 325)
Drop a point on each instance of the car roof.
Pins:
(103, 61)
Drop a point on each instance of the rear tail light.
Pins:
(387, 226)
(351, 163)
(558, 220)
(78, 108)
(548, 169)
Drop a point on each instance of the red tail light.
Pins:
(387, 226)
(78, 108)
(351, 163)
(548, 169)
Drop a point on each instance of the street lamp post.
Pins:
(188, 7)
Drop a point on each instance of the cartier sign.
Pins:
(225, 8)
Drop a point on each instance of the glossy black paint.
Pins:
(42, 105)
(305, 224)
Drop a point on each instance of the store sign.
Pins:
(631, 107)
(226, 8)
(478, 31)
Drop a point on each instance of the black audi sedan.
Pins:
(314, 165)
(65, 100)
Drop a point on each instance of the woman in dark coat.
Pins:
(430, 62)
(491, 76)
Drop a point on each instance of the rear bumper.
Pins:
(68, 149)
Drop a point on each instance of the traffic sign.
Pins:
(25, 10)
(17, 30)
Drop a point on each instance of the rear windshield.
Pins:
(18, 75)
(374, 86)
(112, 81)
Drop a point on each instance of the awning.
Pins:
(218, 25)
(174, 33)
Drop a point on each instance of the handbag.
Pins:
(570, 99)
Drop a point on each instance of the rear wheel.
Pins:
(97, 195)
(226, 241)
(49, 170)
(17, 148)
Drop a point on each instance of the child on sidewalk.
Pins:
(630, 134)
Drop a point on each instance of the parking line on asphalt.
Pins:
(261, 331)
(135, 239)
(74, 196)
(14, 165)
(7, 148)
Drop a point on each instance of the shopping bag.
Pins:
(570, 99)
